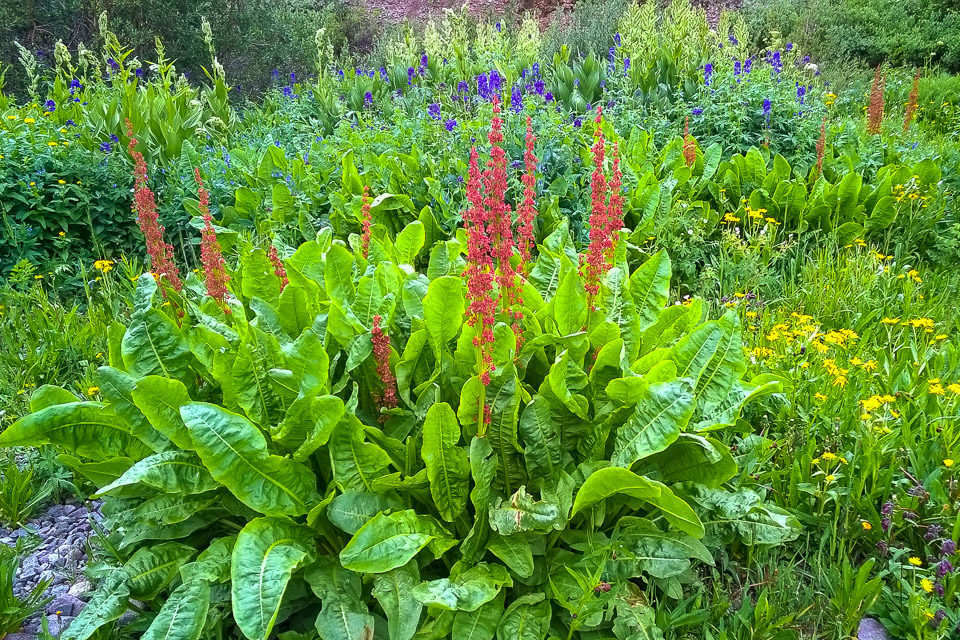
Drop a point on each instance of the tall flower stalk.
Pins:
(214, 267)
(912, 102)
(145, 208)
(278, 269)
(366, 223)
(615, 207)
(381, 354)
(821, 145)
(480, 280)
(599, 220)
(689, 144)
(527, 211)
(875, 109)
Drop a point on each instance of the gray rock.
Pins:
(80, 587)
(53, 559)
(46, 574)
(55, 511)
(870, 629)
(23, 636)
(60, 589)
(58, 623)
(67, 605)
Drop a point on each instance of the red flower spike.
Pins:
(599, 237)
(527, 211)
(366, 223)
(381, 354)
(875, 110)
(912, 101)
(278, 268)
(145, 208)
(615, 209)
(689, 144)
(479, 272)
(214, 266)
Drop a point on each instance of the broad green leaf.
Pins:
(480, 624)
(323, 413)
(390, 541)
(527, 618)
(650, 287)
(116, 387)
(351, 510)
(712, 354)
(443, 311)
(179, 472)
(258, 277)
(160, 399)
(154, 345)
(542, 447)
(691, 458)
(409, 242)
(469, 591)
(483, 468)
(616, 481)
(570, 304)
(515, 552)
(356, 463)
(167, 509)
(49, 395)
(394, 590)
(267, 552)
(447, 466)
(85, 429)
(151, 569)
(662, 412)
(184, 614)
(344, 615)
(235, 452)
(99, 473)
(338, 275)
(108, 603)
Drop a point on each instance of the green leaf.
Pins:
(542, 447)
(356, 464)
(447, 466)
(351, 510)
(409, 242)
(480, 624)
(527, 618)
(468, 592)
(267, 552)
(650, 287)
(616, 481)
(338, 275)
(712, 354)
(151, 569)
(258, 278)
(515, 552)
(344, 615)
(160, 399)
(394, 590)
(235, 452)
(86, 429)
(49, 395)
(184, 614)
(108, 603)
(154, 345)
(179, 472)
(691, 458)
(390, 541)
(662, 412)
(570, 304)
(116, 387)
(443, 311)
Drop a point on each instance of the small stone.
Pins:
(58, 623)
(20, 636)
(870, 629)
(80, 587)
(55, 511)
(60, 589)
(67, 605)
(47, 574)
(53, 559)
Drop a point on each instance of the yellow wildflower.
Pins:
(915, 561)
(948, 463)
(829, 456)
(927, 585)
(92, 391)
(29, 120)
(866, 525)
(103, 265)
(936, 389)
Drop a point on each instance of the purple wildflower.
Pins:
(450, 124)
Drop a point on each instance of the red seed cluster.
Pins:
(278, 268)
(689, 144)
(875, 110)
(821, 145)
(366, 222)
(606, 217)
(145, 208)
(912, 101)
(527, 210)
(381, 354)
(214, 266)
